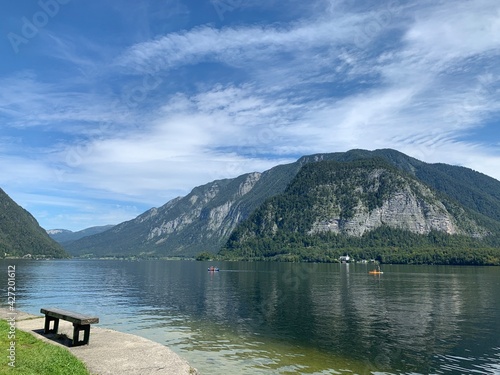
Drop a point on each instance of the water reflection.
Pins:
(287, 318)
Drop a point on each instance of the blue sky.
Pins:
(109, 108)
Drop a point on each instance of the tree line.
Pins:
(385, 244)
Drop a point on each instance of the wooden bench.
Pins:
(80, 323)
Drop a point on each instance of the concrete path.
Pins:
(109, 352)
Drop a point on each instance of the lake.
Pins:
(284, 318)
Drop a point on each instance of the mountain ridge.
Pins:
(333, 206)
(66, 235)
(203, 220)
(146, 233)
(21, 235)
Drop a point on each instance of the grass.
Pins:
(35, 357)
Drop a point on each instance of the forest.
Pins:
(386, 245)
(281, 228)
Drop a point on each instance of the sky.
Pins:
(109, 108)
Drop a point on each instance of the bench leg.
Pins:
(49, 319)
(76, 334)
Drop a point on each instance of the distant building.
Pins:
(345, 259)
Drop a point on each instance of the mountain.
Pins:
(333, 207)
(21, 235)
(472, 189)
(205, 218)
(64, 235)
(185, 226)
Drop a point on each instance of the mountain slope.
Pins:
(472, 189)
(340, 205)
(185, 226)
(64, 235)
(204, 219)
(21, 235)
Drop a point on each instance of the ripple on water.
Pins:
(468, 365)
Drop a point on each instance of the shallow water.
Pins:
(283, 318)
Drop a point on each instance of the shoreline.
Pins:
(109, 352)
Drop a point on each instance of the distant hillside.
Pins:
(21, 235)
(366, 207)
(203, 220)
(65, 236)
(185, 226)
(472, 189)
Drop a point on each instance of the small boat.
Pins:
(213, 269)
(375, 272)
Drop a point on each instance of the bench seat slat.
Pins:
(70, 316)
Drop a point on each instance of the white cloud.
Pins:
(236, 46)
(180, 150)
(76, 214)
(456, 30)
(26, 101)
(425, 76)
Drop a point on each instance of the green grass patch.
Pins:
(35, 357)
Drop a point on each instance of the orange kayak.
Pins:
(375, 272)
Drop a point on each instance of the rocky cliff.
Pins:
(423, 197)
(366, 206)
(353, 198)
(411, 206)
(200, 221)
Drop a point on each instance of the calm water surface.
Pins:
(282, 318)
